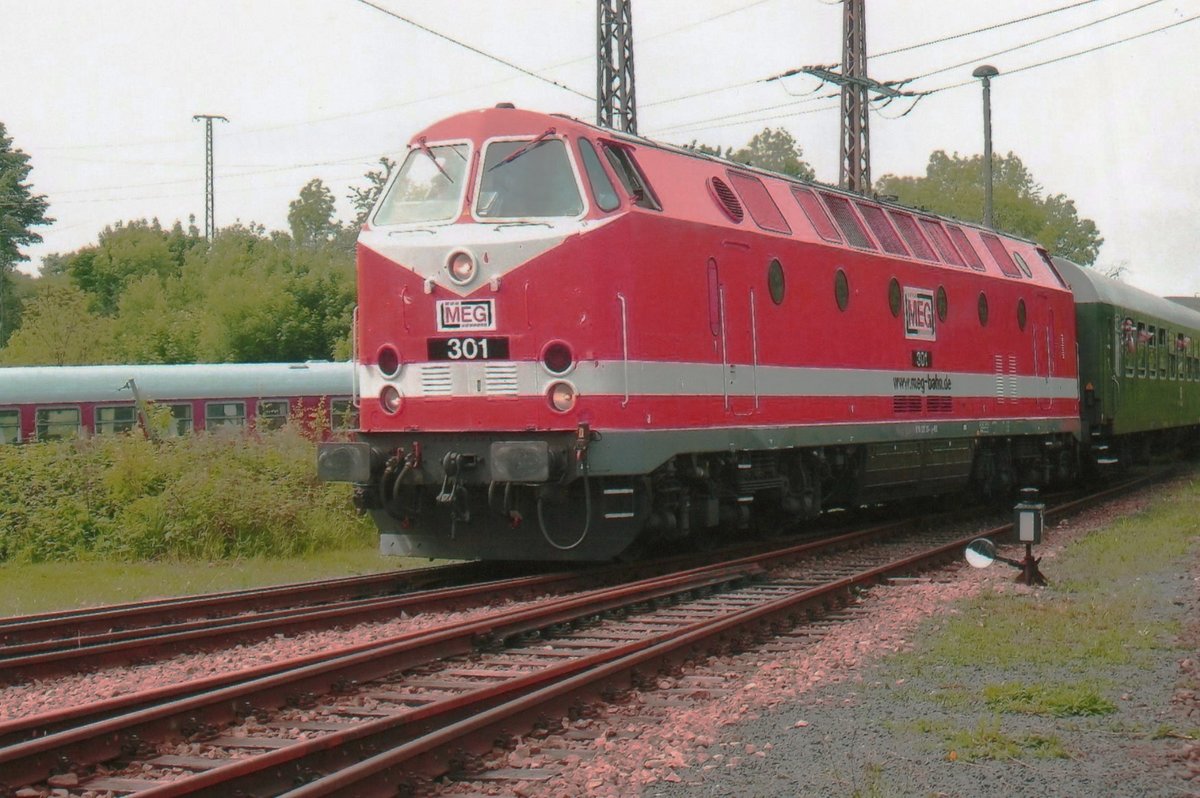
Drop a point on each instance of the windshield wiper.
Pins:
(423, 147)
(517, 153)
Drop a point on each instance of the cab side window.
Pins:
(632, 180)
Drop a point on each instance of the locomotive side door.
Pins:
(738, 332)
(1042, 343)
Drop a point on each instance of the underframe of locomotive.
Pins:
(477, 496)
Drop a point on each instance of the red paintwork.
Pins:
(657, 260)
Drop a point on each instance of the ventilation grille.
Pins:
(500, 379)
(726, 199)
(883, 230)
(939, 404)
(843, 214)
(906, 404)
(435, 379)
(1005, 377)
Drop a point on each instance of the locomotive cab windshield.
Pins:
(429, 186)
(528, 178)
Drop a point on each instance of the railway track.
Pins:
(357, 721)
(39, 646)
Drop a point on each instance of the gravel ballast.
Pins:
(863, 731)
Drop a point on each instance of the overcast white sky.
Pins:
(101, 96)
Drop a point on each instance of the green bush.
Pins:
(207, 496)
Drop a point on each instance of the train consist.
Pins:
(572, 341)
(52, 402)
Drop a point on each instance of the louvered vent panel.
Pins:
(435, 379)
(998, 364)
(939, 404)
(726, 199)
(906, 404)
(500, 379)
(1012, 377)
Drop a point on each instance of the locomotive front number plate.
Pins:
(473, 348)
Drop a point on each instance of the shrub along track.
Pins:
(357, 718)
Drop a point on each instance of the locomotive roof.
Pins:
(73, 384)
(507, 120)
(1091, 287)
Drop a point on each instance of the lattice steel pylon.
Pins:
(210, 223)
(854, 172)
(616, 103)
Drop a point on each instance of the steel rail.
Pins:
(70, 744)
(72, 623)
(31, 760)
(547, 692)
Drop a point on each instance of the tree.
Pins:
(310, 216)
(363, 199)
(953, 186)
(20, 211)
(125, 253)
(776, 151)
(59, 330)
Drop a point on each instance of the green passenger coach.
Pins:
(1139, 366)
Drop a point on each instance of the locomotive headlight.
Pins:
(388, 360)
(461, 267)
(390, 400)
(557, 357)
(562, 396)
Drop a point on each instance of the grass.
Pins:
(1059, 647)
(1059, 701)
(988, 741)
(27, 588)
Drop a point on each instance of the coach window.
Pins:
(10, 426)
(55, 423)
(181, 420)
(841, 289)
(1152, 352)
(110, 420)
(1162, 352)
(602, 187)
(631, 177)
(1142, 345)
(344, 415)
(224, 414)
(271, 414)
(983, 309)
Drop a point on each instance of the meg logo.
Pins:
(454, 315)
(918, 314)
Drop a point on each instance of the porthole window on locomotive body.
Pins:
(894, 297)
(1021, 313)
(943, 304)
(775, 281)
(983, 309)
(841, 289)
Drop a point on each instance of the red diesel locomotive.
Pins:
(572, 341)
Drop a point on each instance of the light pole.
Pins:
(986, 73)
